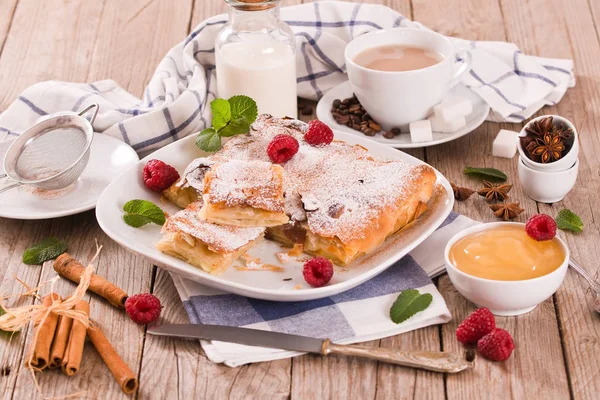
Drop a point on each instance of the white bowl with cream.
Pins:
(505, 297)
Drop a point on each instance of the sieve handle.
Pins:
(9, 187)
(88, 108)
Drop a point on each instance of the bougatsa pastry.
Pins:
(203, 244)
(244, 193)
(341, 201)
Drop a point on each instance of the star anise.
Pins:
(564, 134)
(540, 127)
(461, 193)
(549, 148)
(493, 192)
(506, 211)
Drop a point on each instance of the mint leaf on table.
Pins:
(230, 117)
(567, 220)
(408, 303)
(488, 173)
(221, 113)
(208, 140)
(141, 212)
(45, 250)
(243, 106)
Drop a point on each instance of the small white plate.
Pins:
(480, 112)
(109, 157)
(268, 285)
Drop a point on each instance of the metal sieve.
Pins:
(53, 153)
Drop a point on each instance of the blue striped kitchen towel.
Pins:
(173, 104)
(357, 315)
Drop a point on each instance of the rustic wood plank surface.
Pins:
(558, 344)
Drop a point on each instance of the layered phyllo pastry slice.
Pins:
(244, 193)
(189, 188)
(203, 244)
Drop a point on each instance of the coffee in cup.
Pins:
(399, 74)
(397, 57)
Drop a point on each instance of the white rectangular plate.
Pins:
(268, 285)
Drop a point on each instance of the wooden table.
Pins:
(558, 344)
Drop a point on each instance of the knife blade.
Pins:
(232, 334)
(437, 361)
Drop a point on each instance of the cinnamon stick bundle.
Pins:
(69, 268)
(74, 351)
(61, 340)
(124, 376)
(45, 333)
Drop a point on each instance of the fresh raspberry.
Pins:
(541, 227)
(282, 148)
(143, 308)
(317, 271)
(318, 133)
(158, 176)
(478, 324)
(496, 345)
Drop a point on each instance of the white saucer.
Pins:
(402, 141)
(109, 157)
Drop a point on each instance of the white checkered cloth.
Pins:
(174, 103)
(357, 315)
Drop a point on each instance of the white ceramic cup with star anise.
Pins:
(568, 159)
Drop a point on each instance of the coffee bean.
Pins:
(373, 125)
(356, 127)
(347, 101)
(354, 107)
(396, 131)
(369, 132)
(343, 112)
(337, 103)
(388, 134)
(366, 117)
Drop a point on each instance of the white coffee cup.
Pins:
(396, 98)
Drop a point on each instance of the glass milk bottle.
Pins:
(255, 55)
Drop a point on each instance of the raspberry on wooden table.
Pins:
(541, 227)
(496, 345)
(158, 176)
(318, 133)
(317, 271)
(282, 148)
(478, 324)
(143, 308)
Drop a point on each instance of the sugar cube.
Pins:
(420, 131)
(451, 109)
(437, 125)
(505, 144)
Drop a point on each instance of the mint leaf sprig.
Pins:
(230, 117)
(141, 212)
(408, 303)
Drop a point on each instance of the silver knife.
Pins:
(436, 361)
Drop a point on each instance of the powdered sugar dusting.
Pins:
(253, 183)
(219, 238)
(340, 189)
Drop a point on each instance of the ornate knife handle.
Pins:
(436, 361)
